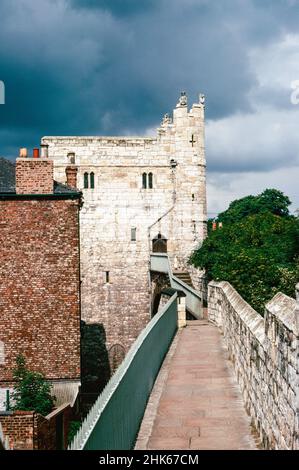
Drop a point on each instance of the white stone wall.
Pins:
(265, 354)
(118, 203)
(199, 281)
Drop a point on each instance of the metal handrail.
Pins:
(193, 298)
(113, 421)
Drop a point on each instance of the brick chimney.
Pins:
(34, 175)
(71, 176)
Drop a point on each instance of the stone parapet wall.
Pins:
(199, 281)
(264, 352)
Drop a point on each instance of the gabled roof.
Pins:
(8, 181)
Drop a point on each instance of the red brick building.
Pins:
(39, 274)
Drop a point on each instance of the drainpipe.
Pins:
(173, 165)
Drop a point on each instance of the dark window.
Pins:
(107, 277)
(71, 158)
(92, 180)
(85, 180)
(150, 180)
(133, 234)
(144, 178)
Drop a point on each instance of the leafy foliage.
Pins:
(271, 200)
(257, 250)
(31, 392)
(95, 367)
(74, 427)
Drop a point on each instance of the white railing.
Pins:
(114, 420)
(159, 262)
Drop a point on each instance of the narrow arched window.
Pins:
(144, 178)
(133, 234)
(150, 181)
(85, 180)
(92, 180)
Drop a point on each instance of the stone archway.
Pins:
(159, 244)
(116, 356)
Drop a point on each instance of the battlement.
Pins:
(114, 140)
(264, 353)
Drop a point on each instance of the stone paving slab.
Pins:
(196, 402)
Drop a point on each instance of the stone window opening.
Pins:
(86, 181)
(150, 181)
(71, 157)
(92, 180)
(133, 234)
(147, 180)
(107, 277)
(89, 180)
(144, 181)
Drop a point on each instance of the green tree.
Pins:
(257, 250)
(95, 368)
(271, 200)
(31, 391)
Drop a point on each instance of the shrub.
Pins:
(31, 392)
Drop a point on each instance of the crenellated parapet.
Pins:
(264, 352)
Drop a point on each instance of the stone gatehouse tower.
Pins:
(135, 190)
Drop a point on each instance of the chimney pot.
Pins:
(44, 150)
(23, 153)
(35, 153)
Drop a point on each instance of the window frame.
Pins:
(133, 234)
(144, 180)
(150, 180)
(86, 180)
(91, 179)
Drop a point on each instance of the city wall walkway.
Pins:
(196, 402)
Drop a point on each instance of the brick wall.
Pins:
(44, 433)
(71, 176)
(19, 429)
(34, 176)
(27, 430)
(39, 287)
(264, 352)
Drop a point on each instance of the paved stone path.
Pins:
(196, 402)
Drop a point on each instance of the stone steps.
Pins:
(185, 277)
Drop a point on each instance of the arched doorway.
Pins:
(159, 244)
(116, 356)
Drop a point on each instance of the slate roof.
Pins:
(8, 181)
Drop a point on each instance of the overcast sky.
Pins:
(113, 67)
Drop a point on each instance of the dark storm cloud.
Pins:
(114, 67)
(117, 7)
